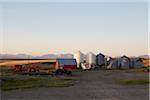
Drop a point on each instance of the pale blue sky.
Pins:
(73, 1)
(39, 28)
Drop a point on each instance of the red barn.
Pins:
(66, 63)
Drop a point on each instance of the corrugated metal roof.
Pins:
(67, 61)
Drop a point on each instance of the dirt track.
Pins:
(91, 85)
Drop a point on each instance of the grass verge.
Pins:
(134, 82)
(12, 84)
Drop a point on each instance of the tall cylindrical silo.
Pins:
(80, 57)
(91, 60)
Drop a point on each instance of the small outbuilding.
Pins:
(66, 64)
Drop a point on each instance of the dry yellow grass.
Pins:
(14, 62)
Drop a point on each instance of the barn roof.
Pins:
(67, 61)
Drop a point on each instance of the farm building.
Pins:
(90, 60)
(66, 64)
(123, 62)
(100, 60)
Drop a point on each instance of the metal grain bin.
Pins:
(91, 60)
(100, 60)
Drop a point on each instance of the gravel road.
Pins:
(90, 85)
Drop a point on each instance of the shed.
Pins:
(66, 64)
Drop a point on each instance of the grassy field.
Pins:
(6, 71)
(36, 82)
(134, 82)
(12, 81)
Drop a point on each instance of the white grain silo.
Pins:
(91, 60)
(80, 58)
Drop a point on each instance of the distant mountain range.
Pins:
(46, 56)
(25, 56)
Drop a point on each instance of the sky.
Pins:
(36, 28)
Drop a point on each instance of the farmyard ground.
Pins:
(90, 85)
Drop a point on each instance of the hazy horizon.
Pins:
(114, 29)
(72, 54)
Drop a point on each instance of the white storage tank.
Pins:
(91, 60)
(80, 58)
